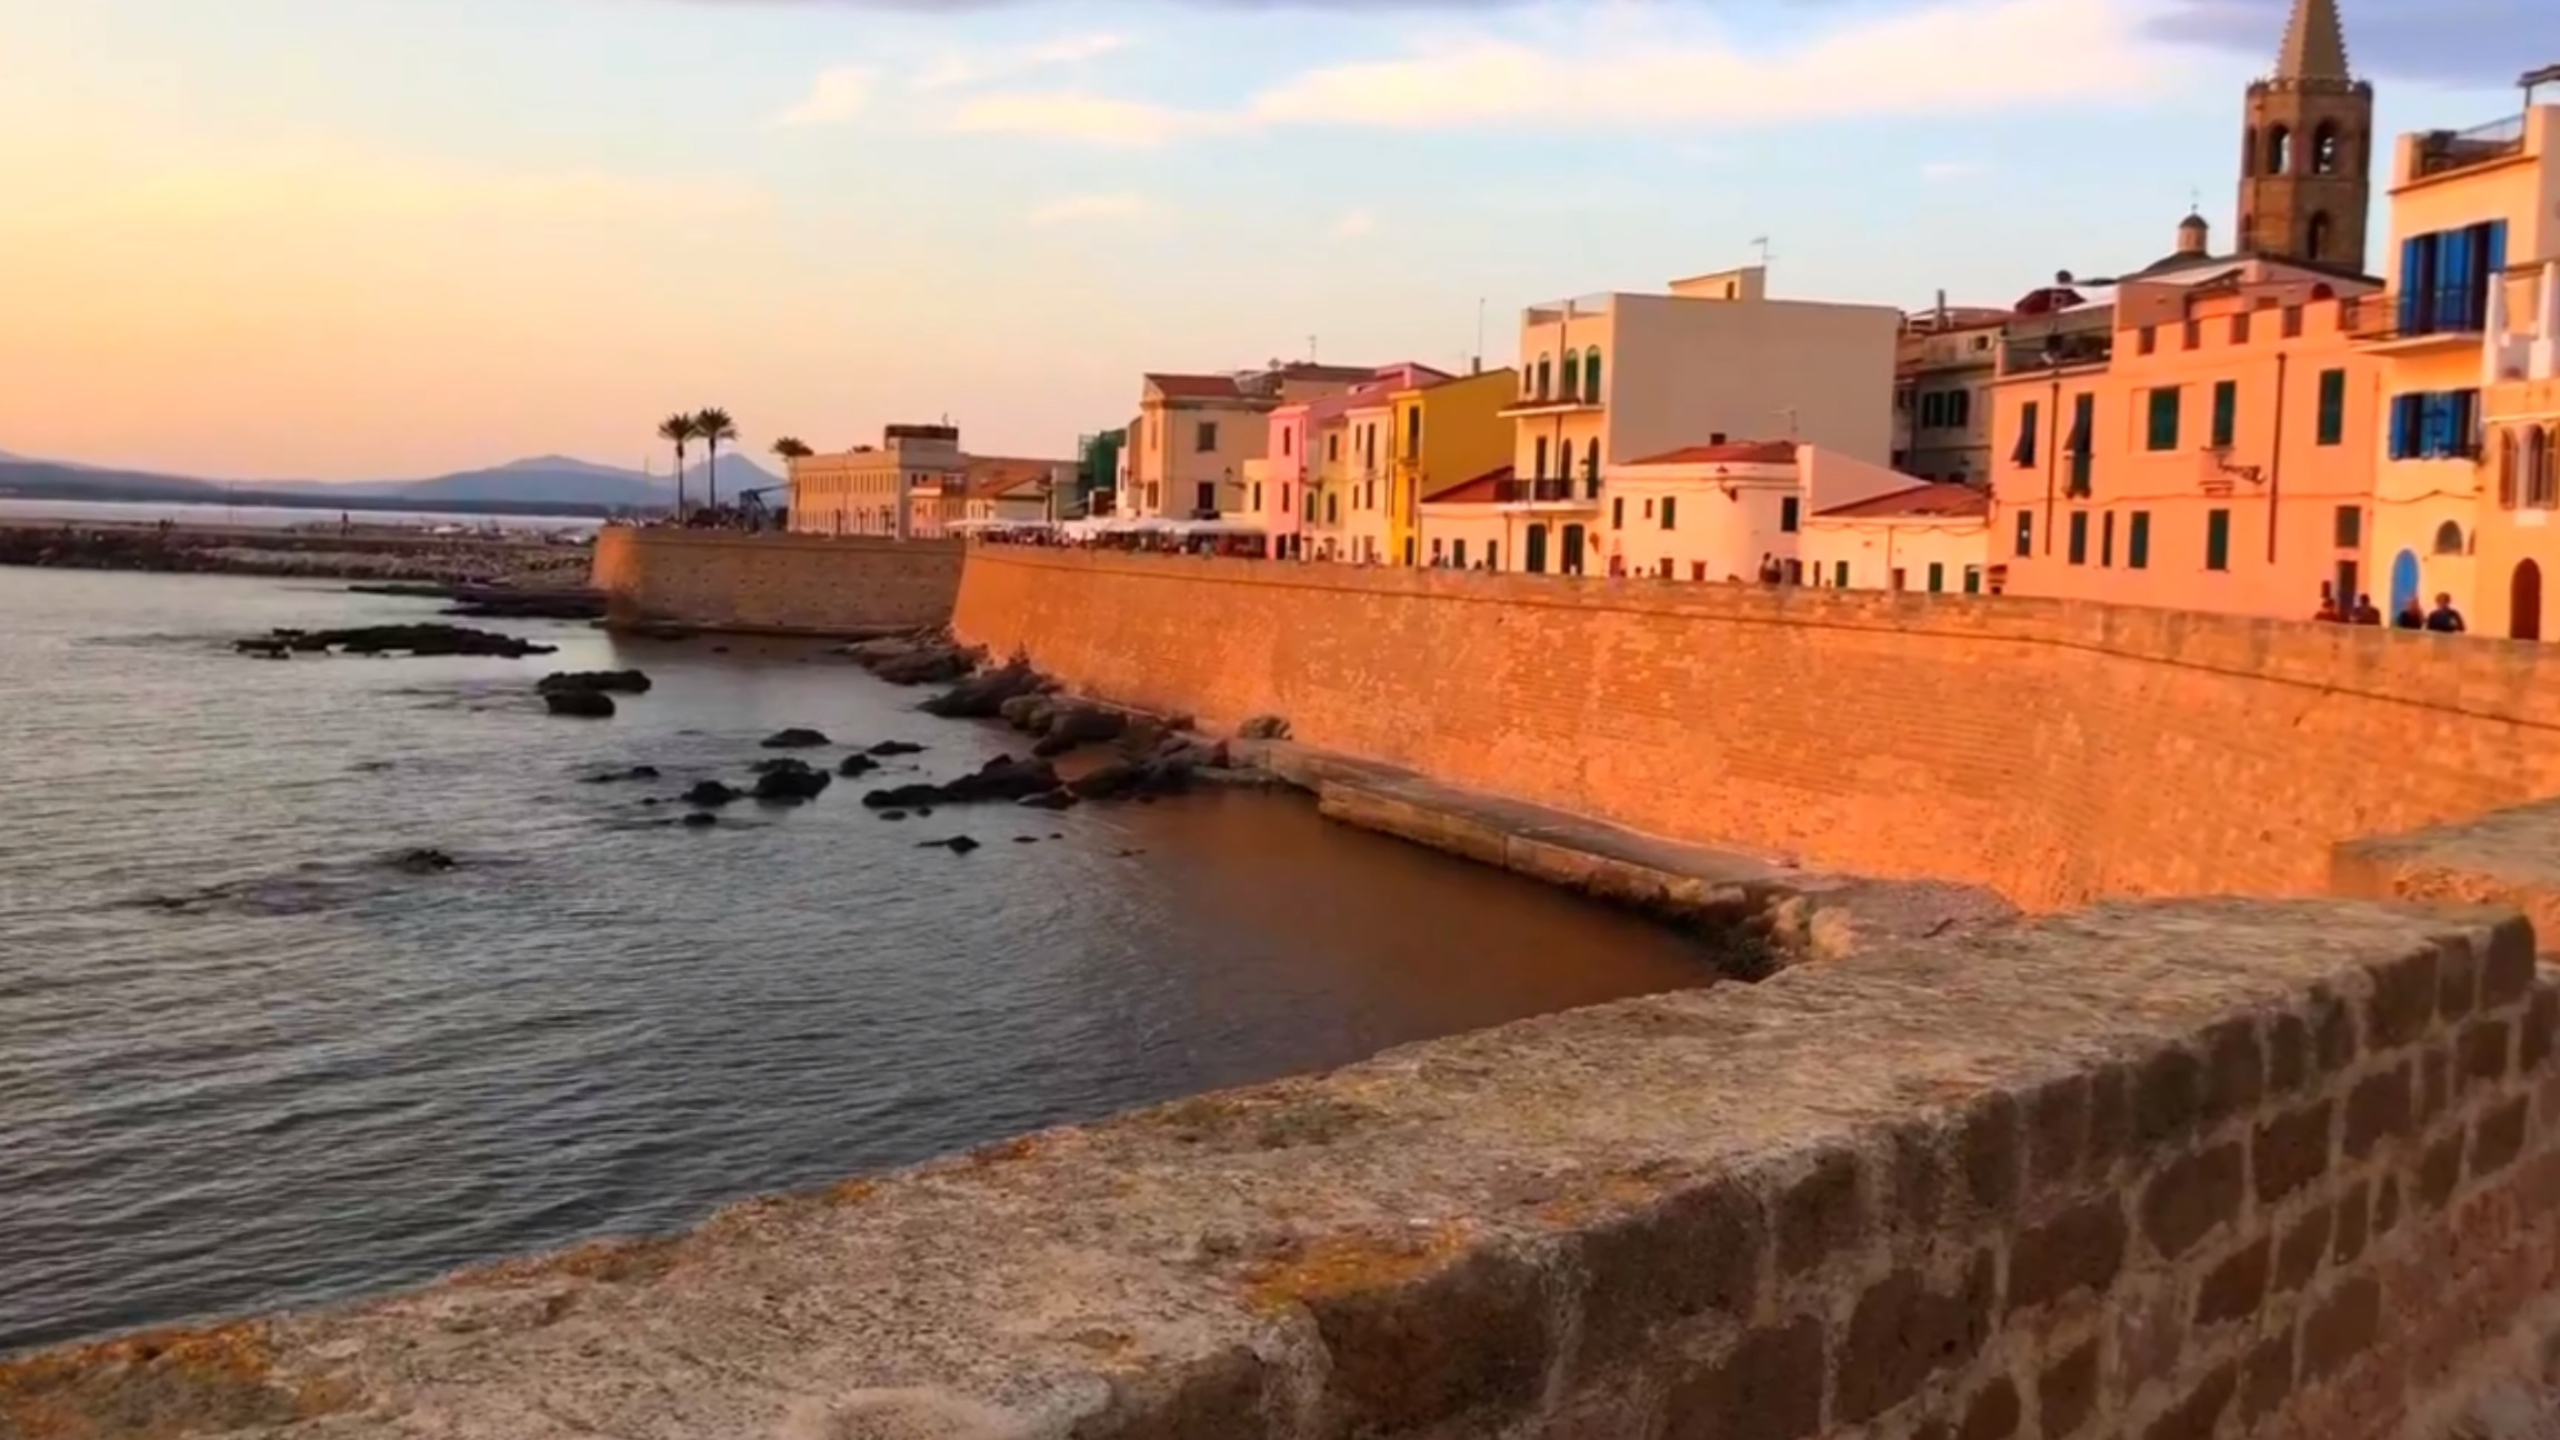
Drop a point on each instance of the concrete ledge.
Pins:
(2056, 1178)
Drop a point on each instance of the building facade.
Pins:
(1194, 433)
(1934, 538)
(1944, 366)
(896, 488)
(2516, 527)
(1445, 434)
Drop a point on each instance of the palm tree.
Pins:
(678, 429)
(713, 426)
(789, 449)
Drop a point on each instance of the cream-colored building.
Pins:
(1194, 434)
(1010, 488)
(1944, 366)
(895, 488)
(1933, 538)
(1617, 376)
(1368, 480)
(1469, 526)
(1715, 512)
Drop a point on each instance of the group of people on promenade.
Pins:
(2443, 619)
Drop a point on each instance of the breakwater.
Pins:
(369, 555)
(2056, 752)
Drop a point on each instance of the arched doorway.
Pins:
(2404, 580)
(2524, 602)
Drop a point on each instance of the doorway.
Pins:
(2404, 580)
(1536, 563)
(1573, 545)
(1208, 508)
(2524, 602)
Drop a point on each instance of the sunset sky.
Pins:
(375, 238)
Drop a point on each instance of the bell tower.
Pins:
(2306, 166)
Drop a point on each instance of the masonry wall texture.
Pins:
(2056, 751)
(2199, 1169)
(786, 584)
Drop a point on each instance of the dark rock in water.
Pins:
(591, 704)
(853, 765)
(1003, 778)
(914, 659)
(1133, 779)
(982, 696)
(1028, 713)
(613, 682)
(924, 812)
(711, 792)
(699, 820)
(896, 747)
(422, 639)
(780, 762)
(1265, 727)
(1026, 839)
(636, 772)
(796, 738)
(423, 862)
(1061, 798)
(893, 814)
(957, 845)
(502, 604)
(792, 783)
(1080, 725)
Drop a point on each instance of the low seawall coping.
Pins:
(2034, 1174)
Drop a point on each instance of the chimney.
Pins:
(1475, 364)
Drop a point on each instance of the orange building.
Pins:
(2207, 450)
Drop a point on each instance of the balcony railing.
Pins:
(1556, 491)
(2023, 353)
(2441, 152)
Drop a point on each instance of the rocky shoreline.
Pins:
(376, 556)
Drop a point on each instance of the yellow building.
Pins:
(1368, 442)
(2517, 527)
(895, 488)
(1444, 434)
(2466, 208)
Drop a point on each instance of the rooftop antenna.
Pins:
(1479, 332)
(1311, 349)
(1761, 243)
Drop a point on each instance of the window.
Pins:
(1973, 579)
(2137, 540)
(1206, 440)
(1591, 375)
(2349, 590)
(1333, 446)
(1458, 554)
(2226, 412)
(2217, 539)
(1545, 373)
(1284, 499)
(1937, 577)
(1572, 374)
(2324, 152)
(2146, 340)
(1439, 550)
(1332, 508)
(1670, 520)
(2292, 321)
(2107, 539)
(2191, 334)
(2084, 416)
(2079, 537)
(1539, 471)
(2023, 454)
(2445, 277)
(1413, 433)
(1257, 495)
(2434, 425)
(1789, 510)
(2332, 428)
(2240, 328)
(2279, 150)
(2448, 539)
(1564, 459)
(1493, 554)
(2507, 469)
(1617, 512)
(1933, 411)
(2347, 527)
(1840, 575)
(2026, 532)
(2162, 432)
(1959, 409)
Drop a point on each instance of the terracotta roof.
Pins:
(1482, 490)
(1937, 500)
(1737, 452)
(1195, 387)
(993, 475)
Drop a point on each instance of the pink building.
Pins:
(1277, 485)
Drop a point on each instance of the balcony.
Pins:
(1557, 494)
(2027, 354)
(1554, 404)
(2400, 323)
(2446, 152)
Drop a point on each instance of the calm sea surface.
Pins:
(245, 1063)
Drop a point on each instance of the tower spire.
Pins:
(2315, 43)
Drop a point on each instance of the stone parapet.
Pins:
(2195, 1168)
(773, 583)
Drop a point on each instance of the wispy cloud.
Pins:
(1939, 172)
(979, 69)
(1074, 115)
(837, 95)
(1354, 224)
(1081, 209)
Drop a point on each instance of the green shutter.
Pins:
(2164, 418)
(2079, 537)
(2137, 541)
(2226, 412)
(2333, 407)
(1973, 580)
(2217, 540)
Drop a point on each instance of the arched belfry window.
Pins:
(2325, 148)
(2279, 150)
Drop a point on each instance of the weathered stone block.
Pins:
(1768, 1387)
(2057, 1131)
(2168, 1097)
(2305, 1246)
(2067, 1392)
(1693, 1251)
(2541, 1024)
(1822, 1213)
(2111, 1116)
(1470, 1340)
(2288, 1054)
(2484, 1051)
(1905, 1331)
(2379, 1108)
(2082, 1248)
(2235, 1069)
(2403, 1003)
(2266, 1379)
(2191, 1197)
(1994, 1412)
(1991, 1150)
(2293, 1150)
(2200, 1414)
(2386, 1205)
(2435, 1083)
(1220, 1400)
(2439, 1172)
(2333, 1032)
(2234, 1289)
(2341, 1327)
(2355, 1213)
(2506, 972)
(2499, 1137)
(2457, 979)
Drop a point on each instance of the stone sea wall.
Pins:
(2057, 752)
(2217, 1168)
(773, 583)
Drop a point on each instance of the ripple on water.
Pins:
(249, 1065)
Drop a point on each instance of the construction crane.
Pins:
(759, 515)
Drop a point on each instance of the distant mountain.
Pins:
(556, 481)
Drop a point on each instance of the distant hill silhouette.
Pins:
(554, 482)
